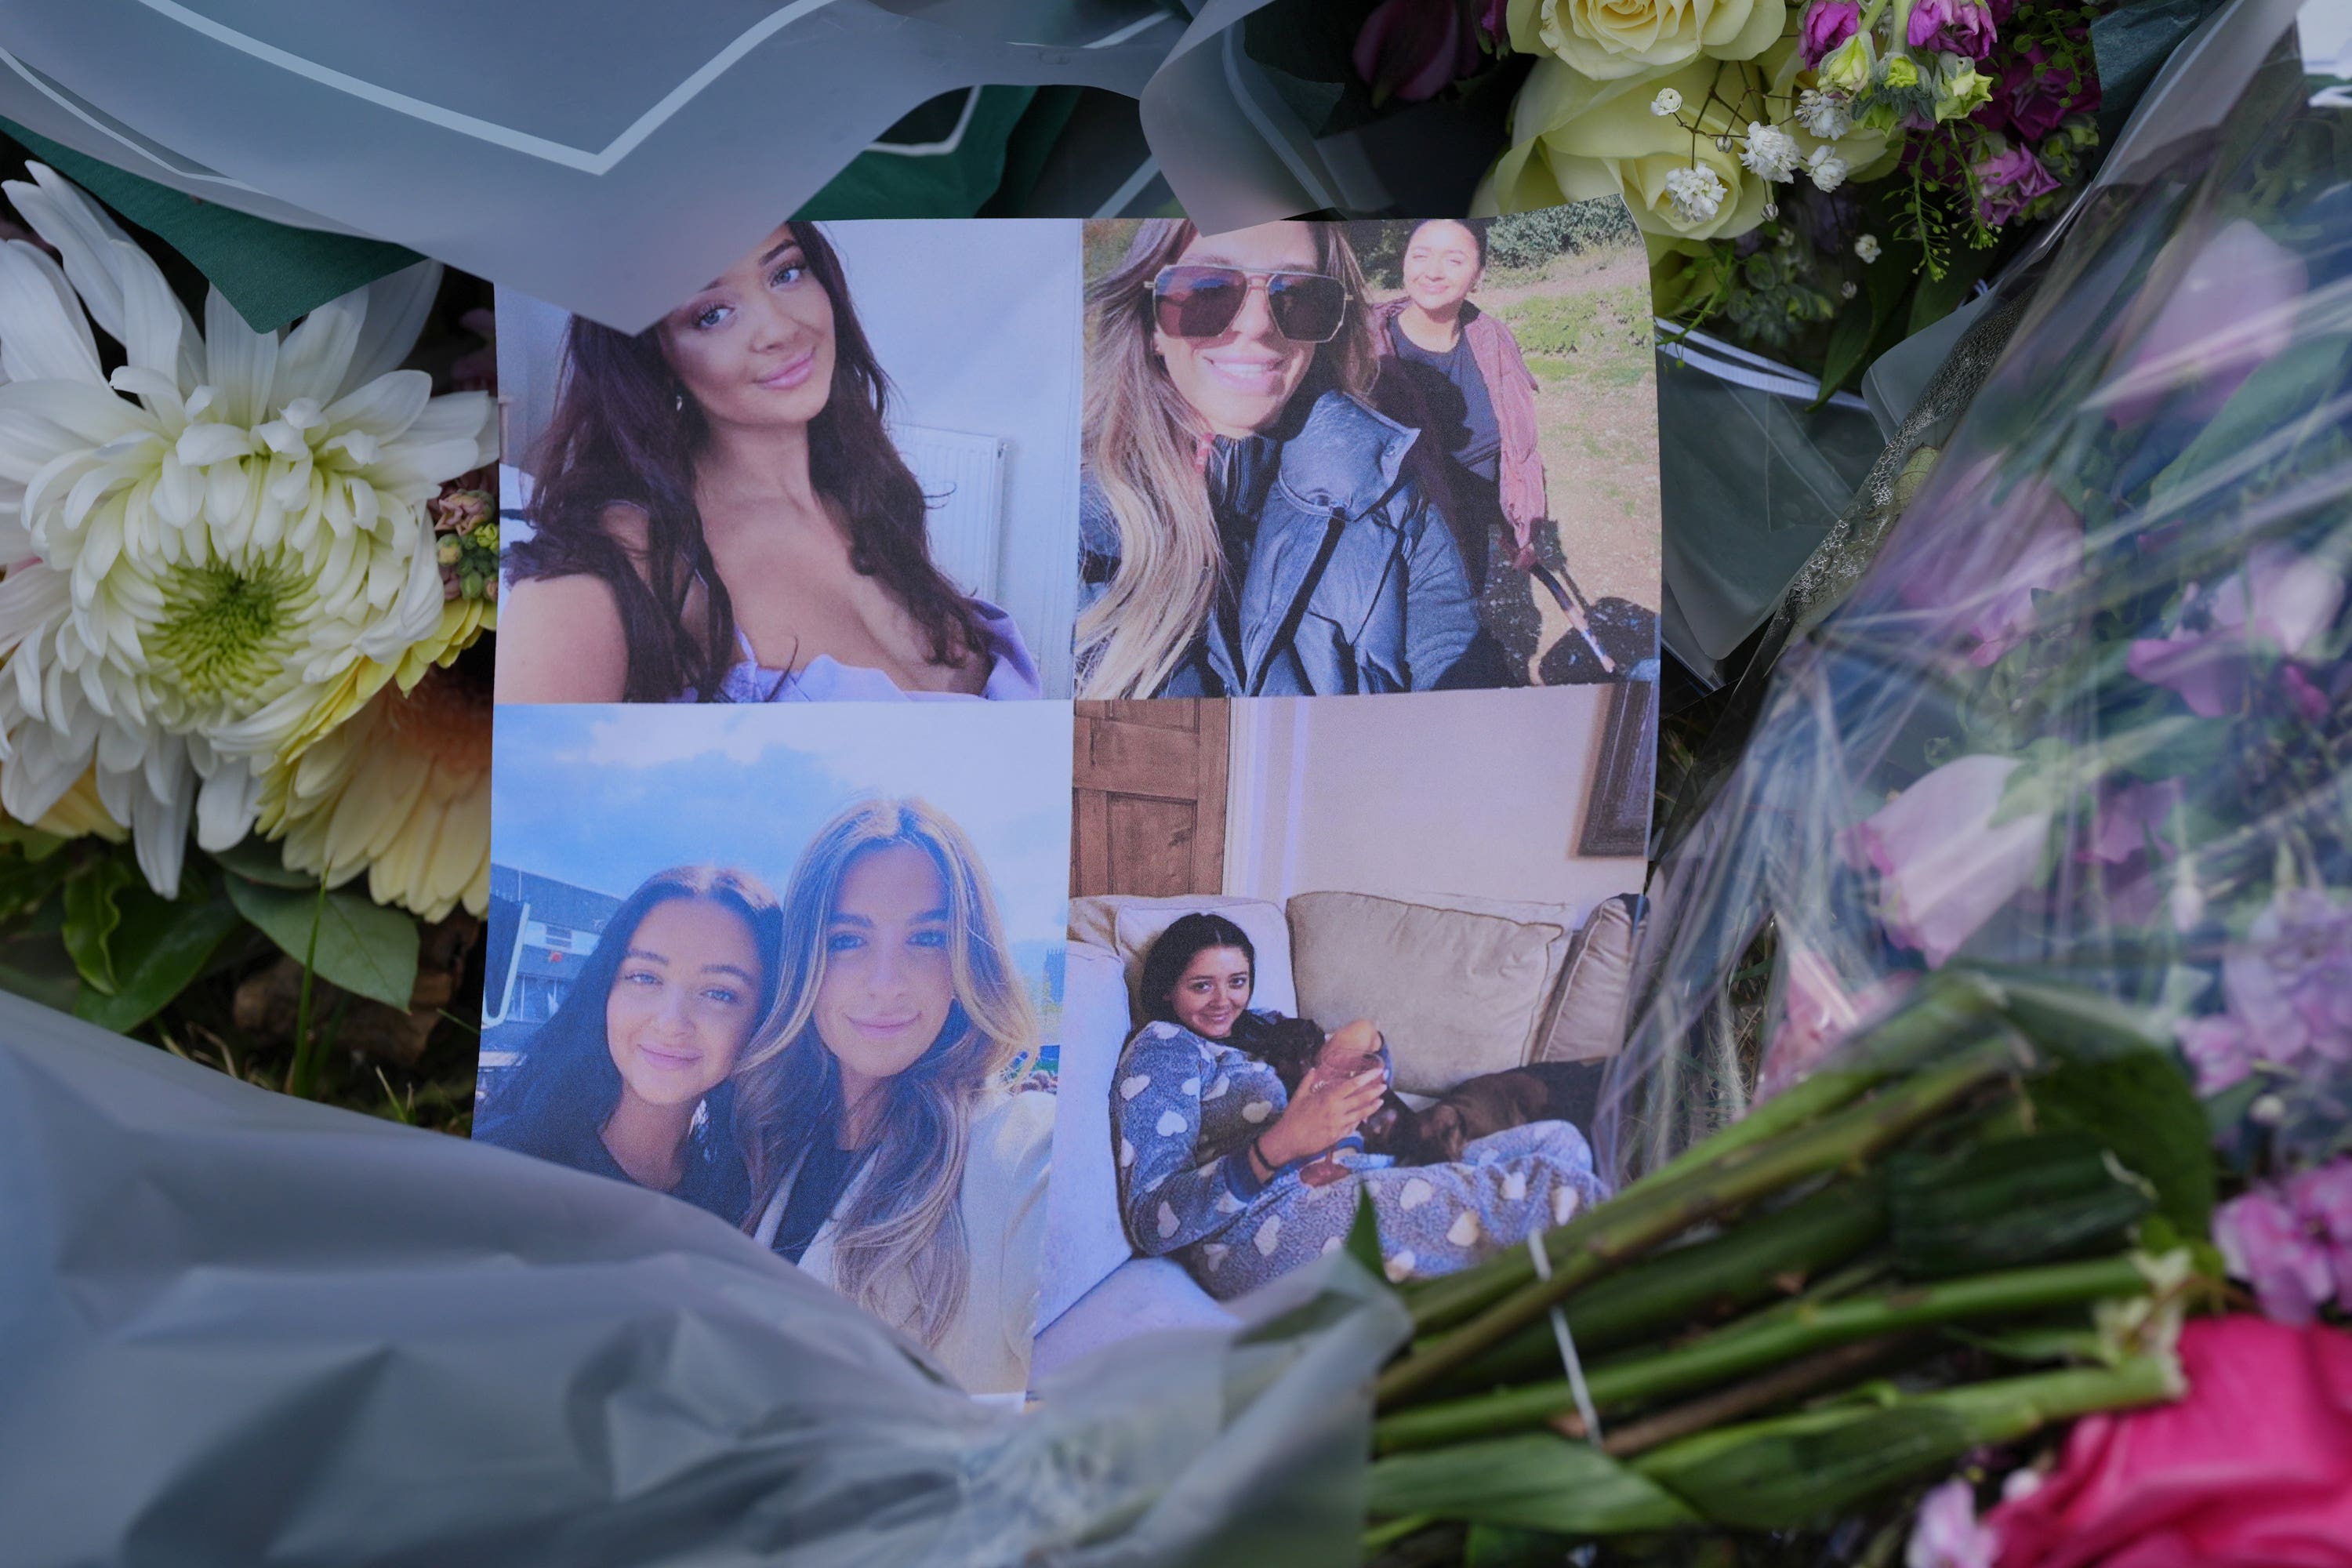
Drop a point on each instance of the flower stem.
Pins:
(303, 1077)
(1650, 1214)
(1770, 1339)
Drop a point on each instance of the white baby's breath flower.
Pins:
(1668, 101)
(201, 544)
(1866, 247)
(1823, 113)
(1827, 168)
(1770, 152)
(1696, 193)
(1849, 288)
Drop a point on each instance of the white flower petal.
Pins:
(45, 338)
(152, 321)
(384, 408)
(317, 353)
(225, 806)
(395, 312)
(240, 363)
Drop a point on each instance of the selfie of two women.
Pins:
(801, 970)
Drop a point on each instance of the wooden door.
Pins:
(1147, 807)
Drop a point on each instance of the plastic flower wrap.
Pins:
(204, 545)
(2089, 716)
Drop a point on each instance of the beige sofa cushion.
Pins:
(1456, 994)
(1589, 1020)
(1129, 926)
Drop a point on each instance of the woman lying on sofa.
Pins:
(1241, 1181)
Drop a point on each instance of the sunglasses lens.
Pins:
(1198, 302)
(1306, 308)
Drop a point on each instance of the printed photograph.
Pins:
(802, 968)
(1323, 950)
(1344, 458)
(844, 469)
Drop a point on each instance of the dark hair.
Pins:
(1476, 227)
(621, 435)
(566, 1085)
(1165, 965)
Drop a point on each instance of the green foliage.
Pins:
(1596, 324)
(92, 917)
(1528, 240)
(159, 948)
(363, 947)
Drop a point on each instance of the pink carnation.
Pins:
(1414, 50)
(1951, 26)
(1827, 24)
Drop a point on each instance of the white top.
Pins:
(986, 1346)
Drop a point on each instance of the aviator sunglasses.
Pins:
(1200, 302)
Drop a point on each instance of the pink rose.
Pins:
(1826, 24)
(1817, 1013)
(1414, 50)
(1945, 866)
(2284, 600)
(1983, 576)
(2252, 1469)
(2233, 309)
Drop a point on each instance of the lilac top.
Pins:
(1012, 674)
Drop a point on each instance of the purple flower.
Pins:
(1945, 866)
(1826, 24)
(2233, 309)
(2286, 993)
(2293, 1242)
(1953, 26)
(2002, 10)
(1414, 50)
(2035, 93)
(2284, 600)
(2127, 817)
(1947, 1534)
(2009, 181)
(1983, 577)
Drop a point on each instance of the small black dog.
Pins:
(1542, 1092)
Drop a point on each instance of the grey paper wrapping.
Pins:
(238, 1328)
(599, 153)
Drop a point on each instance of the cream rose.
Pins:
(1606, 39)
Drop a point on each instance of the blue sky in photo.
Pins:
(602, 797)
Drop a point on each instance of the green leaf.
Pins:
(1849, 344)
(91, 916)
(1796, 1471)
(26, 882)
(36, 844)
(259, 860)
(1939, 296)
(1538, 1480)
(159, 948)
(1364, 1239)
(2140, 1106)
(366, 949)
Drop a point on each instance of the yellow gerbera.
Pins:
(399, 788)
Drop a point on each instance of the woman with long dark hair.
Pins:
(1250, 524)
(635, 1075)
(887, 1156)
(1467, 371)
(1242, 1181)
(720, 514)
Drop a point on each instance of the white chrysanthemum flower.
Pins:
(188, 572)
(1866, 247)
(1668, 101)
(1823, 113)
(1827, 168)
(1770, 152)
(1697, 194)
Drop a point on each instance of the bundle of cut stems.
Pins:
(1914, 1215)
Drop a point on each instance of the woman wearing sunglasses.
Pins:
(1465, 369)
(1250, 525)
(721, 515)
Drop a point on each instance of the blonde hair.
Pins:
(905, 1226)
(1141, 441)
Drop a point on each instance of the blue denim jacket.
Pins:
(1345, 576)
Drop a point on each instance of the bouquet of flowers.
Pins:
(2073, 764)
(243, 572)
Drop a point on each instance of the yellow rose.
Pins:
(1576, 139)
(1606, 39)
